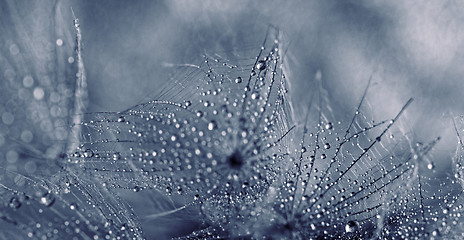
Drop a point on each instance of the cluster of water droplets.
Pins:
(35, 212)
(224, 141)
(219, 142)
(450, 224)
(39, 101)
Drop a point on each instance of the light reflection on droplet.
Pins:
(38, 93)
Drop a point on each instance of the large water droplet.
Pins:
(88, 153)
(430, 166)
(303, 149)
(254, 95)
(73, 206)
(351, 226)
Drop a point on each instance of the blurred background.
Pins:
(409, 48)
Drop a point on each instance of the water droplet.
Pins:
(238, 80)
(445, 210)
(327, 146)
(430, 166)
(14, 203)
(121, 119)
(123, 227)
(261, 65)
(47, 199)
(188, 103)
(351, 227)
(212, 125)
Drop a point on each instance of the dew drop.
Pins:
(238, 80)
(212, 125)
(73, 206)
(88, 153)
(261, 65)
(47, 199)
(327, 146)
(14, 203)
(303, 150)
(329, 126)
(430, 166)
(254, 95)
(124, 227)
(121, 119)
(445, 211)
(351, 227)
